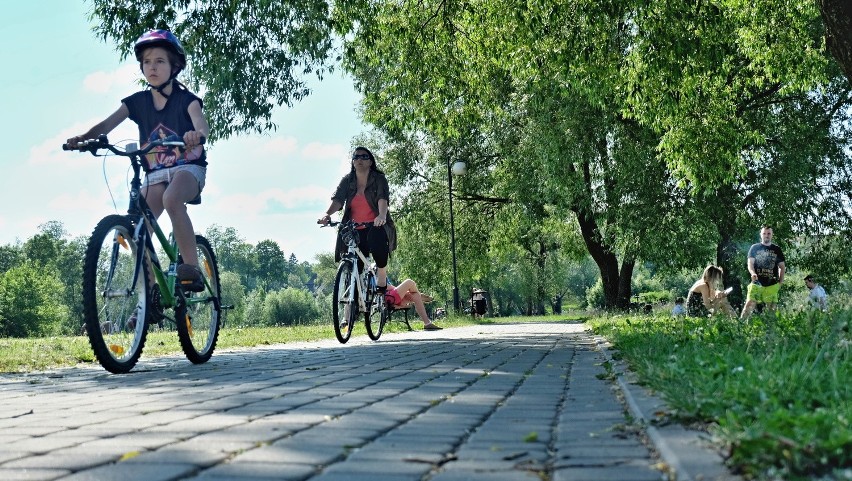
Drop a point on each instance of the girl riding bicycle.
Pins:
(363, 194)
(166, 109)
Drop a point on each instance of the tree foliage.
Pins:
(247, 57)
(652, 131)
(837, 17)
(10, 256)
(31, 302)
(233, 253)
(644, 120)
(272, 268)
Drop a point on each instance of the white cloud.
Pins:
(321, 151)
(300, 197)
(249, 204)
(74, 201)
(49, 152)
(124, 78)
(277, 146)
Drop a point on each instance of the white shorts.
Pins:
(165, 175)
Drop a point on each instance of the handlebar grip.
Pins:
(90, 145)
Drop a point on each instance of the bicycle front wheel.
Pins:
(115, 297)
(197, 314)
(344, 303)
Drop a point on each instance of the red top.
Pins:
(361, 210)
(392, 297)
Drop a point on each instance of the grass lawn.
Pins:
(776, 391)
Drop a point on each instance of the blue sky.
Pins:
(59, 80)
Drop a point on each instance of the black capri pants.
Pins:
(374, 240)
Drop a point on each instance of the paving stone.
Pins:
(492, 402)
(22, 474)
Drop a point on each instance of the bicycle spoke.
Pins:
(197, 314)
(114, 305)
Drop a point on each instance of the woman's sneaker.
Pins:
(190, 278)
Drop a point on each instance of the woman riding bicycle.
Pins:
(166, 109)
(363, 194)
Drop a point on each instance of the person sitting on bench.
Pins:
(406, 295)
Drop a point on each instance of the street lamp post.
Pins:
(459, 168)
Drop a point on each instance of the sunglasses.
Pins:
(361, 157)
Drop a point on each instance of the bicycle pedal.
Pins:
(192, 286)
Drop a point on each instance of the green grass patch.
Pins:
(775, 391)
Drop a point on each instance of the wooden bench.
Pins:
(405, 311)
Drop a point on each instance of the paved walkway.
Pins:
(501, 402)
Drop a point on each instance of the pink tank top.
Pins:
(361, 210)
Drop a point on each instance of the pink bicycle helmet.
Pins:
(164, 39)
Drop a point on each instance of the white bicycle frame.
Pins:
(352, 256)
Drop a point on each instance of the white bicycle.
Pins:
(355, 288)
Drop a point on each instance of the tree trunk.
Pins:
(837, 17)
(625, 281)
(728, 257)
(556, 304)
(604, 258)
(541, 290)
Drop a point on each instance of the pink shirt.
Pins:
(392, 297)
(361, 210)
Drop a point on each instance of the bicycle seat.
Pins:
(196, 200)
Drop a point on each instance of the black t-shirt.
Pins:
(766, 260)
(171, 122)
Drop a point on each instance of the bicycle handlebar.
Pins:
(332, 223)
(93, 145)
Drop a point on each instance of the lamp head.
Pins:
(459, 168)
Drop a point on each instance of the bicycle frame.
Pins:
(352, 256)
(146, 223)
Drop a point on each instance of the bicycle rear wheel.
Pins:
(344, 303)
(115, 294)
(197, 314)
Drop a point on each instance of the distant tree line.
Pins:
(41, 283)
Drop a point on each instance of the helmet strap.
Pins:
(162, 86)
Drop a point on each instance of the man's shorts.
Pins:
(767, 294)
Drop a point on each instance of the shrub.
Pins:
(290, 306)
(31, 301)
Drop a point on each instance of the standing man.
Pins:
(817, 297)
(766, 266)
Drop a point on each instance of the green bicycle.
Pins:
(120, 301)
